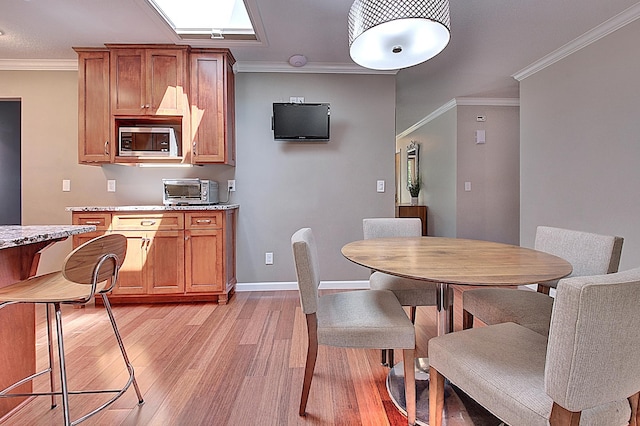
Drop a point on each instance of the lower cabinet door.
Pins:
(164, 265)
(204, 259)
(131, 279)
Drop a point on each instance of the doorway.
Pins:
(10, 158)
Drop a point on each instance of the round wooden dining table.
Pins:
(447, 261)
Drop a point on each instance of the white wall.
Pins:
(280, 186)
(580, 143)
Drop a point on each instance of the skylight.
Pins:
(216, 19)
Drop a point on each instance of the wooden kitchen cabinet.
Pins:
(102, 222)
(206, 238)
(171, 256)
(94, 142)
(148, 81)
(212, 99)
(155, 253)
(191, 90)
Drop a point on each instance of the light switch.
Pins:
(66, 185)
(380, 186)
(480, 136)
(467, 186)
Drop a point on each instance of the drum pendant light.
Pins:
(394, 34)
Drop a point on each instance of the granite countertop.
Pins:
(152, 208)
(16, 235)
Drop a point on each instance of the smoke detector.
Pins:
(298, 60)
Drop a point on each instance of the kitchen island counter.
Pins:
(20, 248)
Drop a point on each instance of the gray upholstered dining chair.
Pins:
(353, 319)
(585, 373)
(588, 253)
(409, 292)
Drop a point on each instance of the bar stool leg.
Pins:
(63, 367)
(107, 306)
(50, 347)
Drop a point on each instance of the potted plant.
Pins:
(414, 189)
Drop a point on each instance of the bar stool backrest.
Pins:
(80, 264)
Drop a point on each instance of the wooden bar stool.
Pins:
(90, 269)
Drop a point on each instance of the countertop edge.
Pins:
(151, 208)
(17, 235)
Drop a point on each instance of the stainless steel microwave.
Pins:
(141, 141)
(189, 191)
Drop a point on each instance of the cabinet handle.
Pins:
(203, 221)
(148, 222)
(194, 148)
(92, 222)
(106, 148)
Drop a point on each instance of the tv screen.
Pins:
(299, 122)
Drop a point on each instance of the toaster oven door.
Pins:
(182, 192)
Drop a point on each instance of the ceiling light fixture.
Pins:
(298, 60)
(387, 35)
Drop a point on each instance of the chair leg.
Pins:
(390, 358)
(63, 367)
(467, 320)
(562, 417)
(633, 402)
(107, 305)
(383, 357)
(312, 355)
(410, 384)
(436, 397)
(50, 348)
(412, 314)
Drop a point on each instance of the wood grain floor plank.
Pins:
(209, 364)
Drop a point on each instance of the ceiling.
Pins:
(490, 39)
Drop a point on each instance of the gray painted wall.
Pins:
(280, 186)
(580, 143)
(438, 168)
(449, 157)
(330, 187)
(490, 211)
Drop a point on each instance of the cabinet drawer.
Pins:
(207, 219)
(148, 221)
(102, 221)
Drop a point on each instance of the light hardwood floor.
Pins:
(205, 364)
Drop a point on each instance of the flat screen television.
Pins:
(301, 122)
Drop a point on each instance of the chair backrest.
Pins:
(592, 354)
(305, 256)
(80, 264)
(392, 227)
(589, 254)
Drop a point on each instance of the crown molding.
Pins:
(503, 102)
(309, 68)
(38, 64)
(620, 20)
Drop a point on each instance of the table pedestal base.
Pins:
(459, 409)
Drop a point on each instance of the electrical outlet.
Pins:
(268, 258)
(111, 185)
(231, 184)
(66, 185)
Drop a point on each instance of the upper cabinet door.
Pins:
(147, 81)
(212, 108)
(165, 81)
(94, 143)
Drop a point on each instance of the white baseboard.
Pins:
(324, 285)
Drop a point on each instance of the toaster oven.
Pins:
(189, 191)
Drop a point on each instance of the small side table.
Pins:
(408, 210)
